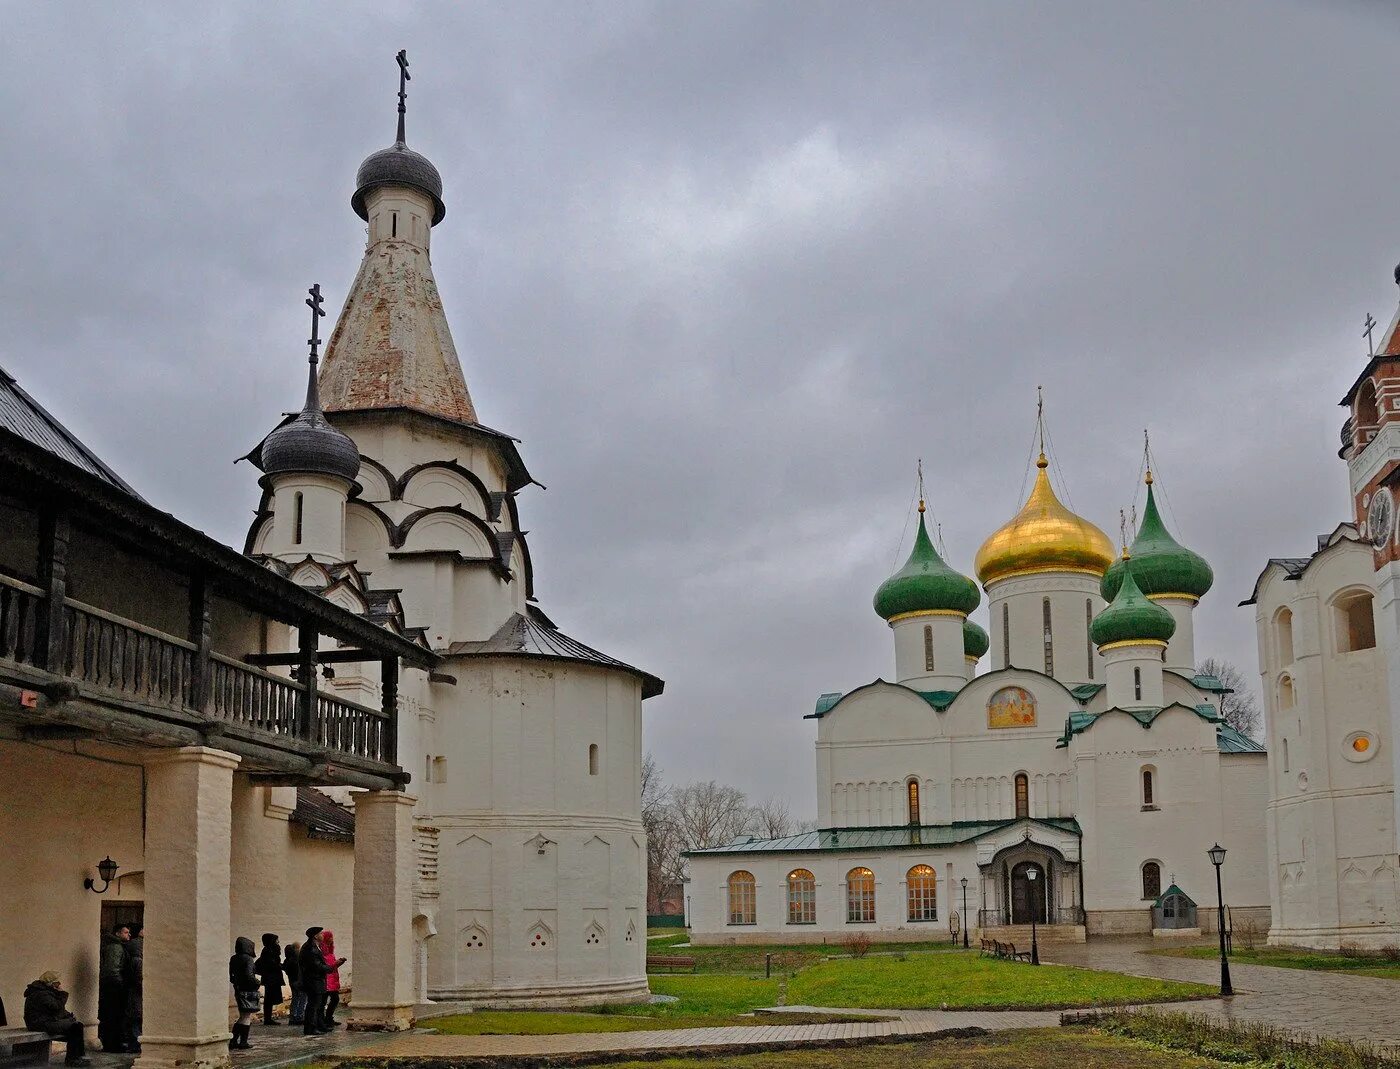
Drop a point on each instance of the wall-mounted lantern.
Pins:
(107, 869)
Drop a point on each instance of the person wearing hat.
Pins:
(314, 970)
(46, 1010)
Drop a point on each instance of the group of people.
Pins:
(312, 974)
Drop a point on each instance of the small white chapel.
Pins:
(1078, 782)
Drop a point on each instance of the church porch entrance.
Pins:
(1030, 882)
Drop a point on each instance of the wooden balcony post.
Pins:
(389, 693)
(307, 642)
(199, 628)
(54, 533)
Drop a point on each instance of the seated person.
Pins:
(46, 1010)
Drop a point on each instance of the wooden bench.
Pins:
(669, 961)
(997, 949)
(989, 948)
(20, 1047)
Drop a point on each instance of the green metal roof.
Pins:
(1084, 692)
(1172, 890)
(1130, 617)
(1158, 562)
(1227, 738)
(926, 583)
(908, 837)
(939, 699)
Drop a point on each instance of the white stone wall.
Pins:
(1019, 601)
(1331, 823)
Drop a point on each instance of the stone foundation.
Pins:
(632, 991)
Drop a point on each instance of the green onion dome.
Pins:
(1159, 563)
(1131, 618)
(976, 643)
(925, 584)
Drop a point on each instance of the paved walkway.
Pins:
(1318, 1003)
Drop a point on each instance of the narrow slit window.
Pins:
(1137, 684)
(593, 759)
(928, 648)
(1023, 796)
(1005, 634)
(1049, 637)
(393, 224)
(298, 511)
(1147, 794)
(913, 791)
(1088, 639)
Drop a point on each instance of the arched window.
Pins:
(912, 790)
(593, 759)
(1356, 623)
(298, 512)
(1049, 637)
(1367, 412)
(742, 908)
(1088, 638)
(922, 883)
(1151, 879)
(1023, 796)
(1006, 634)
(1137, 684)
(1283, 635)
(860, 896)
(928, 648)
(1149, 796)
(802, 897)
(1286, 698)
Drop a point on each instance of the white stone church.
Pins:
(1075, 783)
(1329, 657)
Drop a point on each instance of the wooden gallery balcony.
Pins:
(120, 623)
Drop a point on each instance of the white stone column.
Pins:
(384, 991)
(189, 794)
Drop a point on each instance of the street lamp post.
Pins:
(964, 889)
(1217, 858)
(1031, 875)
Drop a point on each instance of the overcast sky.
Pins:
(727, 270)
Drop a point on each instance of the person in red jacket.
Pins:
(333, 965)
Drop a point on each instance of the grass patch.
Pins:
(1297, 958)
(1042, 1048)
(1238, 1043)
(787, 958)
(969, 980)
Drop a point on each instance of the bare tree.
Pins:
(710, 814)
(770, 819)
(1240, 708)
(663, 841)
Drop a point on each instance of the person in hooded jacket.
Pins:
(333, 964)
(111, 989)
(242, 974)
(313, 980)
(46, 1010)
(270, 973)
(291, 966)
(133, 973)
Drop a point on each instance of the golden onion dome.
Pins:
(1044, 537)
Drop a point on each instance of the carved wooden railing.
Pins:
(125, 657)
(349, 727)
(242, 694)
(20, 606)
(148, 668)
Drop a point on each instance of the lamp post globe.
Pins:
(1217, 858)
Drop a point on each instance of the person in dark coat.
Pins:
(46, 1010)
(111, 989)
(133, 972)
(313, 979)
(291, 967)
(242, 974)
(270, 973)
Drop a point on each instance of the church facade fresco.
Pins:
(1011, 707)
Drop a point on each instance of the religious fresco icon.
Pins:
(1011, 707)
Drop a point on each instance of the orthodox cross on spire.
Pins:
(313, 397)
(1123, 532)
(1147, 456)
(1370, 326)
(921, 485)
(1041, 462)
(404, 79)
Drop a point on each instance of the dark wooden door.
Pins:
(1027, 895)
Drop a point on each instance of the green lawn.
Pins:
(966, 980)
(1297, 958)
(787, 958)
(1044, 1048)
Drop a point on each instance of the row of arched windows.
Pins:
(921, 894)
(1354, 626)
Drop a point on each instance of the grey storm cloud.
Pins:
(728, 270)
